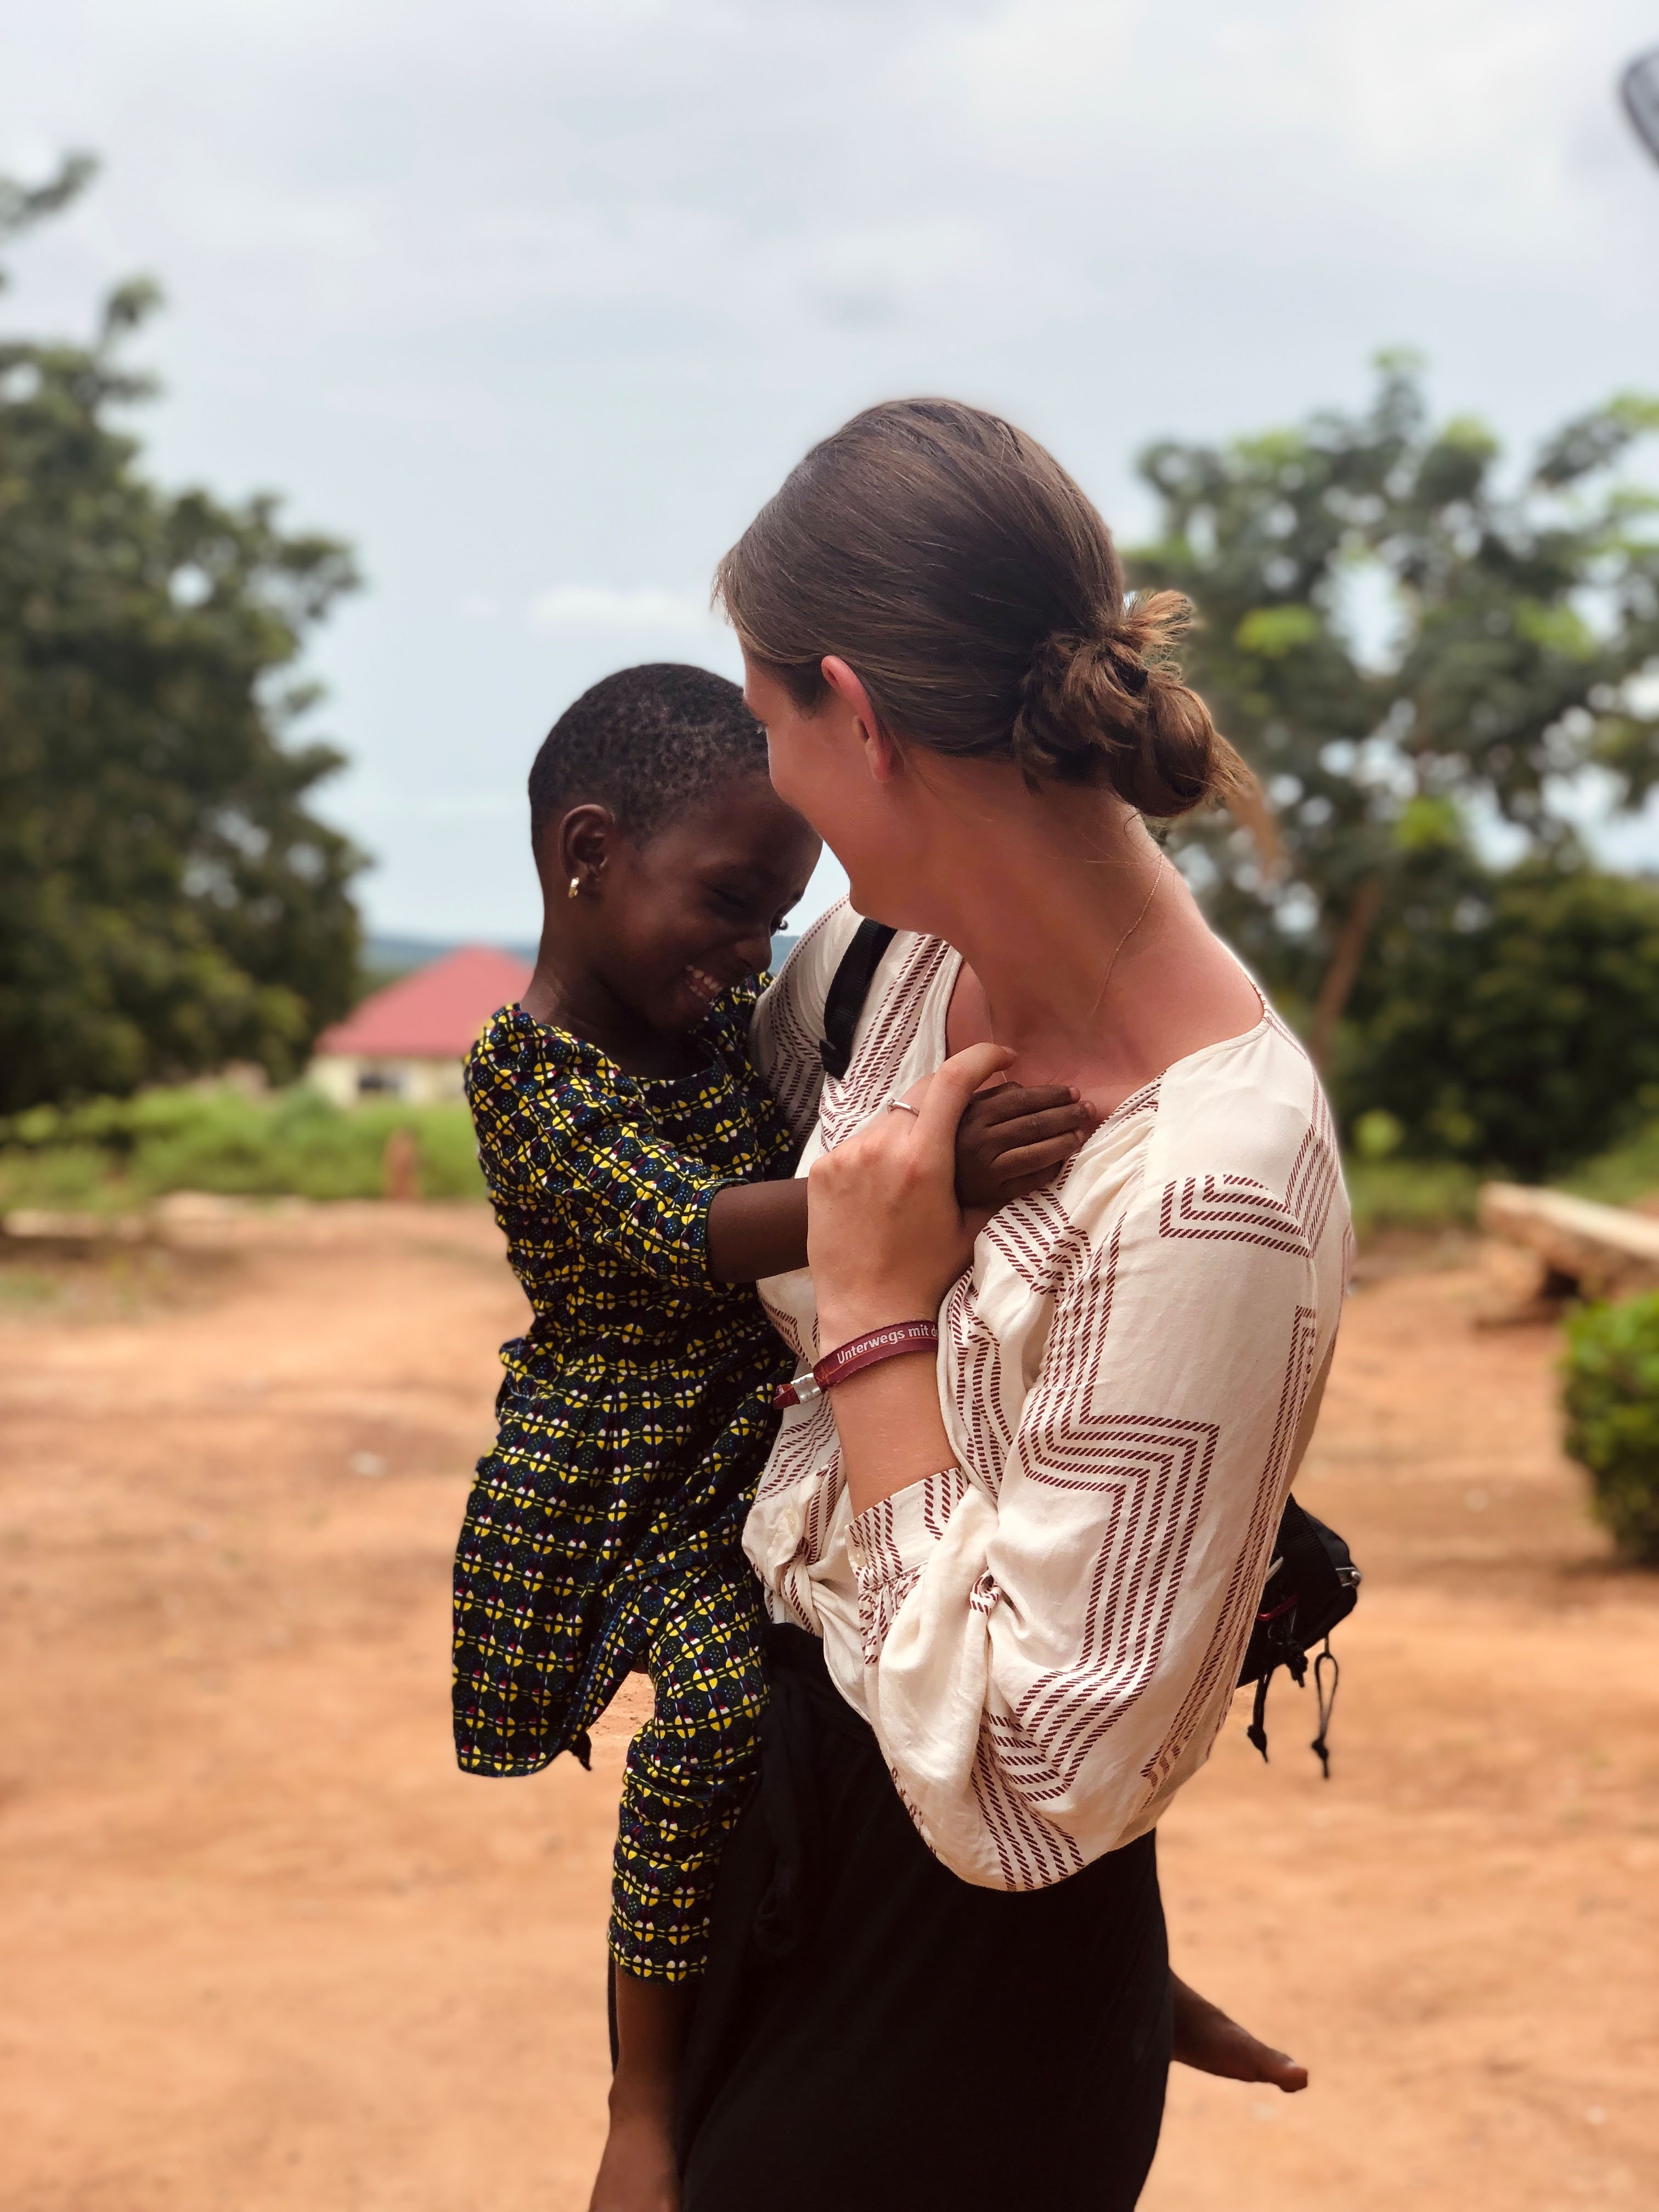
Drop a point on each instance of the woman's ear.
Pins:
(583, 846)
(881, 757)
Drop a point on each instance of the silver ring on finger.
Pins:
(898, 1106)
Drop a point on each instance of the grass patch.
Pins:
(115, 1154)
(1425, 1195)
(111, 1154)
(1435, 1194)
(1621, 1174)
(28, 1289)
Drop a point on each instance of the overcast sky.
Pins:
(536, 300)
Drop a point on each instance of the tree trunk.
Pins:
(1344, 970)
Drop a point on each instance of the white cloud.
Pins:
(379, 169)
(588, 607)
(549, 289)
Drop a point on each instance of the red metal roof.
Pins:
(434, 1014)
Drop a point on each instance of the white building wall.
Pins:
(350, 1078)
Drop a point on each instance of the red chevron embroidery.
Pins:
(975, 1371)
(883, 1577)
(802, 1448)
(1032, 1852)
(1231, 1209)
(1026, 1233)
(869, 1078)
(1316, 1177)
(1154, 1469)
(1243, 1595)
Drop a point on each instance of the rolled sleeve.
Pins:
(568, 1143)
(890, 1545)
(644, 1201)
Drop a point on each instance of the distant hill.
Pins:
(401, 956)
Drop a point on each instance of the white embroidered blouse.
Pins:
(1046, 1638)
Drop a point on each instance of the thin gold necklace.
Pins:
(1147, 908)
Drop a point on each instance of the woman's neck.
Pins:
(1083, 947)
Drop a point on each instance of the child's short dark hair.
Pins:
(646, 742)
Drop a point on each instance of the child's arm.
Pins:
(757, 1229)
(1010, 1140)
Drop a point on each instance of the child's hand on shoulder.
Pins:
(1012, 1139)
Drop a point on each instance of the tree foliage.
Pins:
(167, 903)
(1397, 637)
(1512, 1021)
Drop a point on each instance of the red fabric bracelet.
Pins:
(893, 1342)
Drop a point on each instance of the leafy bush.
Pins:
(121, 1151)
(1612, 1400)
(1519, 1030)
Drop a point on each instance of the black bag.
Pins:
(1313, 1583)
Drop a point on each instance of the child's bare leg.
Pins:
(637, 2171)
(1206, 2038)
(689, 1770)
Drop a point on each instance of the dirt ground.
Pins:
(267, 1951)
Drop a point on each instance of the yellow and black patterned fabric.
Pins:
(633, 1418)
(690, 1768)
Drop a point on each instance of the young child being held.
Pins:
(642, 1177)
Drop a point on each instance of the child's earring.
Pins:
(575, 887)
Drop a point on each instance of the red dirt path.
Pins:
(268, 1951)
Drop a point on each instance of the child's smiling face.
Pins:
(667, 924)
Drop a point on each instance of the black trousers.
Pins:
(875, 2033)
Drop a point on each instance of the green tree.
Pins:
(1511, 1021)
(167, 903)
(1510, 625)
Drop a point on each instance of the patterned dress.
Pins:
(603, 1528)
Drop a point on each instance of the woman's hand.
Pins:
(885, 1236)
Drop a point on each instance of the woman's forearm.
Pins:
(888, 1238)
(892, 1433)
(757, 1228)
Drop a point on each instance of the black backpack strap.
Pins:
(1327, 1704)
(1257, 1731)
(848, 989)
(1313, 1584)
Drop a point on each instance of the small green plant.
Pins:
(1612, 1400)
